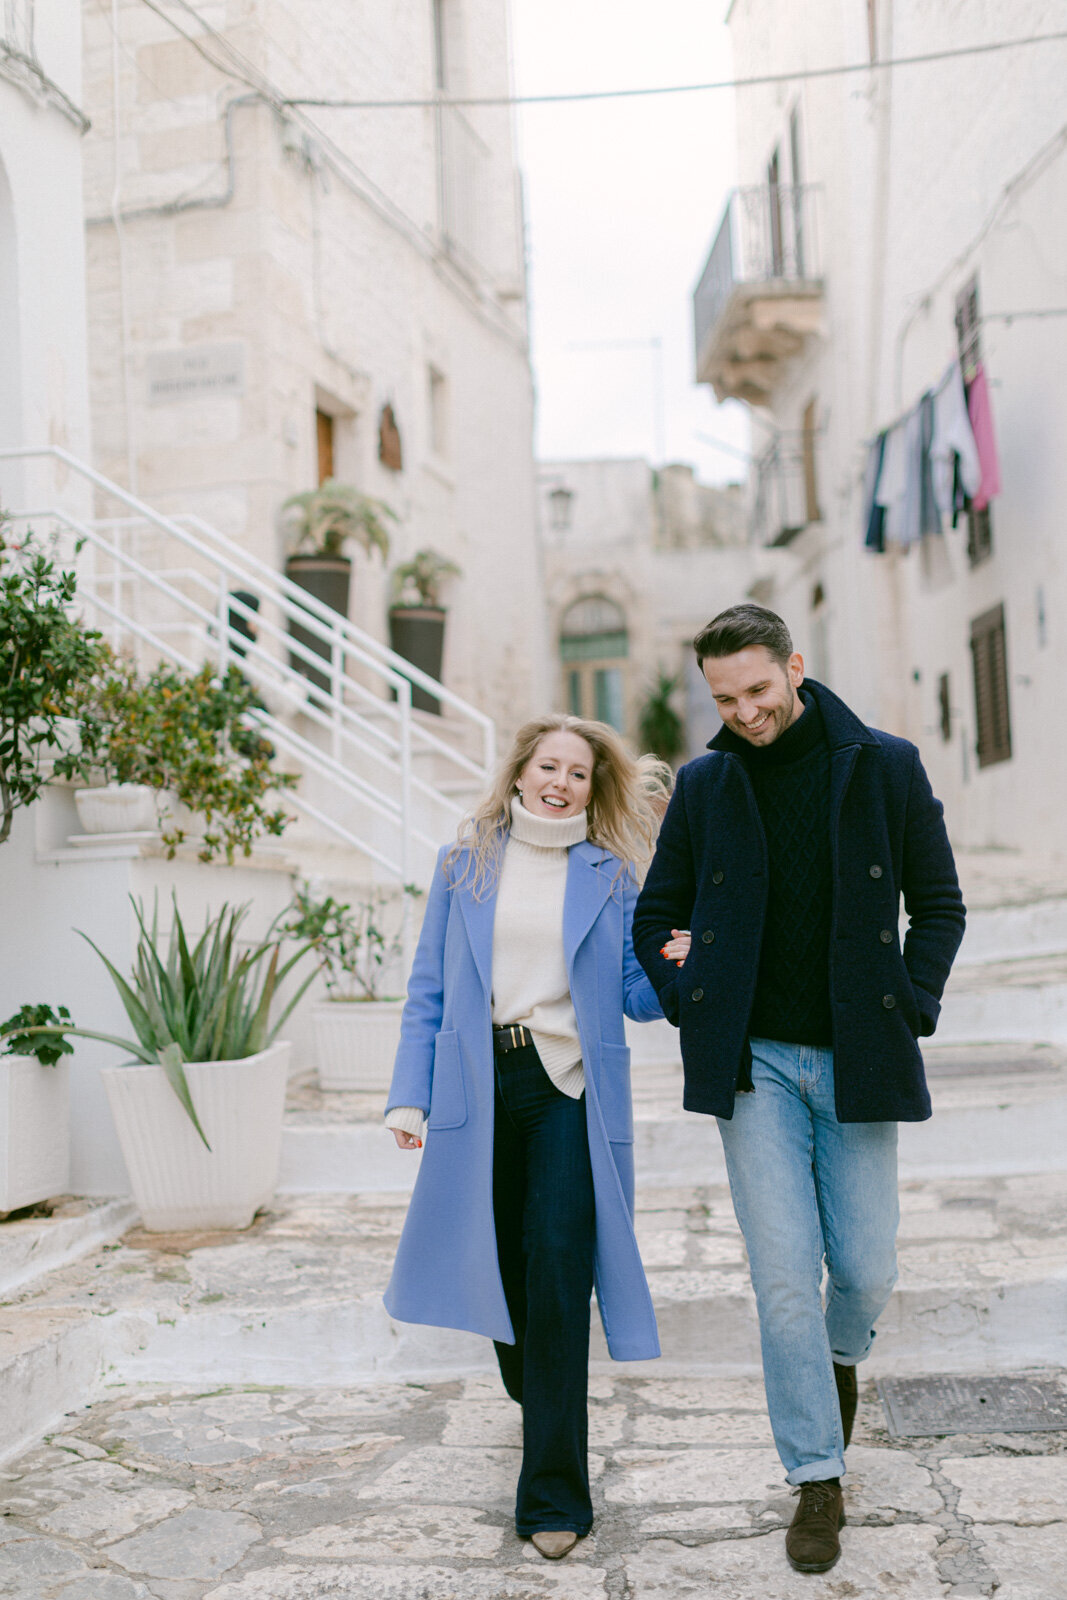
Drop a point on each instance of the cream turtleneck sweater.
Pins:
(530, 983)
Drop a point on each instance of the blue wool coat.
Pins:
(709, 874)
(446, 1270)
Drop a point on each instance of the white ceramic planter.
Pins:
(356, 1042)
(34, 1131)
(177, 1183)
(118, 808)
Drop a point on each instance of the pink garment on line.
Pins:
(981, 415)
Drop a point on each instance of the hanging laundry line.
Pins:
(938, 458)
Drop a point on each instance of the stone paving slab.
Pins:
(341, 1494)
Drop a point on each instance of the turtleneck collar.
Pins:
(798, 740)
(548, 833)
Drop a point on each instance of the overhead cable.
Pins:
(760, 80)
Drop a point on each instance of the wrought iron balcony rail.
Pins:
(767, 234)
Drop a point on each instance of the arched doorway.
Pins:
(593, 648)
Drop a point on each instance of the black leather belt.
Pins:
(513, 1036)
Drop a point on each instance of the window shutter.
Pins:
(989, 655)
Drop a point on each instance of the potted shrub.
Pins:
(34, 1109)
(199, 1110)
(44, 655)
(660, 729)
(417, 618)
(178, 750)
(357, 1026)
(317, 525)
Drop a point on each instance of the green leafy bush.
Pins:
(349, 941)
(47, 1048)
(660, 729)
(45, 655)
(189, 734)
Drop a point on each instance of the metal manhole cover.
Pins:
(915, 1407)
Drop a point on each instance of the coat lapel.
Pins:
(591, 876)
(478, 918)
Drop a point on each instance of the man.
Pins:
(785, 851)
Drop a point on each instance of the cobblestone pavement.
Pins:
(403, 1492)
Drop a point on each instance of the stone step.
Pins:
(998, 1108)
(1006, 1001)
(296, 1299)
(44, 1241)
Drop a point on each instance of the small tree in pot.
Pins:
(45, 654)
(357, 1026)
(417, 617)
(318, 524)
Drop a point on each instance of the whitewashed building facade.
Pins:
(889, 222)
(279, 293)
(637, 559)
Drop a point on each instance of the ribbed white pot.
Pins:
(177, 1183)
(118, 808)
(34, 1131)
(356, 1042)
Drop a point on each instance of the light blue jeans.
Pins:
(808, 1189)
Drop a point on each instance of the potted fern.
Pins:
(357, 1025)
(317, 525)
(34, 1108)
(198, 1111)
(417, 618)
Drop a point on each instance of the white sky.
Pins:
(622, 200)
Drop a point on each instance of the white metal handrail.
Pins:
(372, 739)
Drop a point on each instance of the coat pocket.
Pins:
(448, 1098)
(616, 1103)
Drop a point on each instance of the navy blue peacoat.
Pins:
(709, 874)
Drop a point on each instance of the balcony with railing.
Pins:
(759, 300)
(784, 498)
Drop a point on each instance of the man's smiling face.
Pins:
(755, 694)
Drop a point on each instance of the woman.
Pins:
(513, 1047)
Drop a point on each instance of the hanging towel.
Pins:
(900, 489)
(953, 437)
(981, 416)
(873, 513)
(929, 515)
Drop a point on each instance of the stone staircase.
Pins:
(297, 1298)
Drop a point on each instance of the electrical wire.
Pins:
(760, 80)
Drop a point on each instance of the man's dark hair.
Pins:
(738, 627)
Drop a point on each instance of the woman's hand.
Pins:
(406, 1141)
(677, 946)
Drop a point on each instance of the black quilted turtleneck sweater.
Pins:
(791, 779)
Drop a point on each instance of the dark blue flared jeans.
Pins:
(544, 1211)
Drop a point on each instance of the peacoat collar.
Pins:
(843, 728)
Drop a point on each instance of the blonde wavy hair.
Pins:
(622, 810)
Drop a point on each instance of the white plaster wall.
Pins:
(337, 286)
(911, 167)
(43, 375)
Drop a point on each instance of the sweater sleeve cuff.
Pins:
(408, 1119)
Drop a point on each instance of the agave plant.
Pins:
(210, 1002)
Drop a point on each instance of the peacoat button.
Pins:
(717, 877)
(889, 1001)
(698, 994)
(709, 937)
(876, 871)
(886, 936)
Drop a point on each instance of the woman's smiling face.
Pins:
(557, 781)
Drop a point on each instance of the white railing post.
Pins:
(403, 699)
(223, 612)
(337, 688)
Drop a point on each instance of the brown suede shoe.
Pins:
(811, 1540)
(845, 1378)
(554, 1543)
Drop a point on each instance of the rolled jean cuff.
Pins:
(814, 1471)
